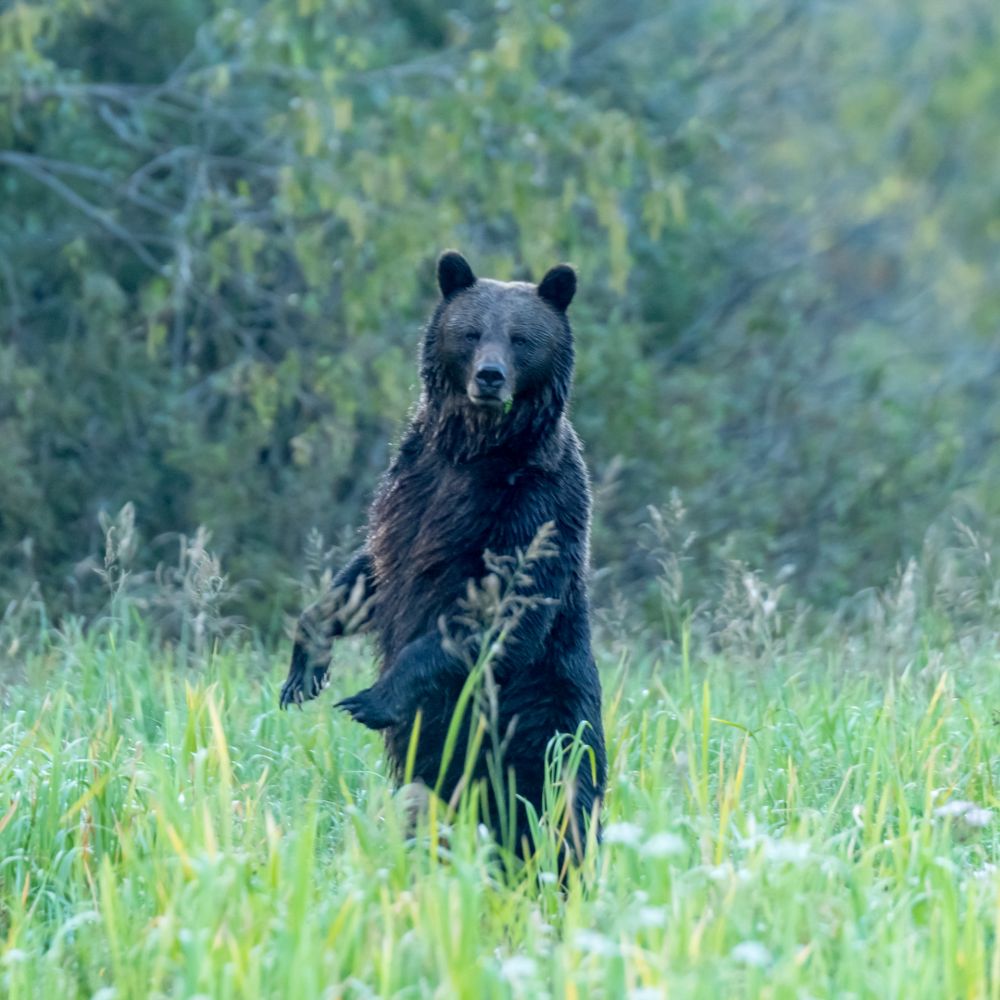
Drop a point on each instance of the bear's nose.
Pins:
(491, 376)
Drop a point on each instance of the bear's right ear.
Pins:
(558, 286)
(454, 273)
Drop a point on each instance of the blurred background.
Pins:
(218, 228)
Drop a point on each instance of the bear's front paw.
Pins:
(302, 685)
(373, 708)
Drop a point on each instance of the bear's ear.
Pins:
(558, 287)
(454, 273)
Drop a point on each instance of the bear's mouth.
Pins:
(489, 399)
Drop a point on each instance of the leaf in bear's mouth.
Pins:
(508, 406)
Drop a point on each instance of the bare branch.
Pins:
(94, 213)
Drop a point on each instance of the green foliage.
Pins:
(779, 823)
(220, 221)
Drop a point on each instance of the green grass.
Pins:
(773, 828)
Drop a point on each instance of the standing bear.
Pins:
(488, 460)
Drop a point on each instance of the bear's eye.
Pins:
(518, 340)
(472, 337)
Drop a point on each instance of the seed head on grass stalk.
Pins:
(488, 619)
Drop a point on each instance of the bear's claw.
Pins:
(371, 708)
(301, 687)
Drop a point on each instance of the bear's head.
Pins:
(499, 353)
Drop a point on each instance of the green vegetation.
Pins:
(219, 222)
(784, 819)
(177, 836)
(217, 228)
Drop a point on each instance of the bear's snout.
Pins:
(490, 384)
(491, 377)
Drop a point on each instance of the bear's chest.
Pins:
(428, 536)
(436, 515)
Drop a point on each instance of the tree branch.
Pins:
(26, 165)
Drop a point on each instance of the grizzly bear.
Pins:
(488, 459)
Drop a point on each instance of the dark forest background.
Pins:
(218, 226)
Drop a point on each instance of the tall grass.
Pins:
(815, 821)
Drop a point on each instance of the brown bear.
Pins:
(489, 458)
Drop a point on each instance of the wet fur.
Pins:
(469, 479)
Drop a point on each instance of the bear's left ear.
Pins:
(454, 273)
(558, 287)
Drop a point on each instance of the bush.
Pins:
(223, 220)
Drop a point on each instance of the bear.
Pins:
(488, 460)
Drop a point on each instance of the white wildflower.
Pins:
(517, 968)
(652, 916)
(751, 953)
(663, 845)
(956, 807)
(622, 833)
(968, 812)
(978, 817)
(791, 851)
(595, 943)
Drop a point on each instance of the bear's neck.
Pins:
(531, 433)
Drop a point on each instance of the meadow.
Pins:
(785, 818)
(217, 240)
